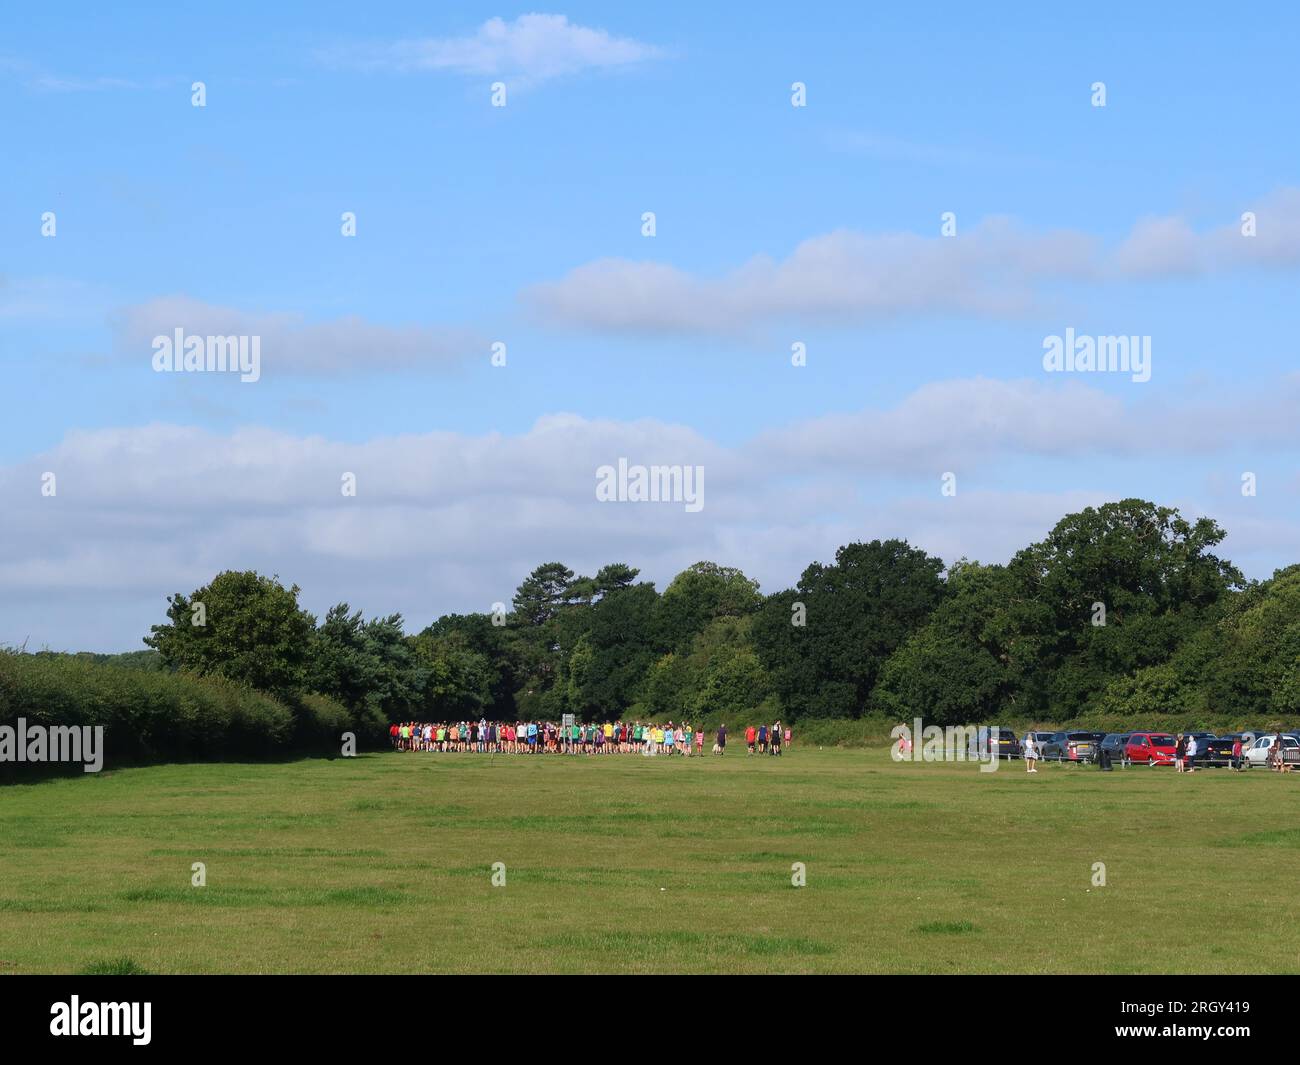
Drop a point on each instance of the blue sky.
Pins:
(522, 224)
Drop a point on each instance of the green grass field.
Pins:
(624, 864)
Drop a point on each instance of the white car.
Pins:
(1257, 753)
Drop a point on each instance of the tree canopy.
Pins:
(1123, 607)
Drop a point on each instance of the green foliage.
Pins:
(698, 595)
(457, 680)
(252, 632)
(1245, 662)
(611, 659)
(1122, 612)
(857, 612)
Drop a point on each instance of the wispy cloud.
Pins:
(995, 268)
(292, 345)
(36, 78)
(533, 48)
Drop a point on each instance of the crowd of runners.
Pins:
(546, 737)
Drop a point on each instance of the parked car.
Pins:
(1114, 743)
(1040, 740)
(1072, 746)
(1151, 748)
(1257, 753)
(1007, 744)
(1217, 750)
(1003, 740)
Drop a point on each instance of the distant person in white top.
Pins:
(1031, 755)
(1191, 754)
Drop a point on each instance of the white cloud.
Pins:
(534, 47)
(448, 521)
(841, 275)
(291, 345)
(992, 269)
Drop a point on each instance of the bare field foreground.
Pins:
(385, 864)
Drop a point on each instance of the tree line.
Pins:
(1123, 608)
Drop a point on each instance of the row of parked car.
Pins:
(1145, 748)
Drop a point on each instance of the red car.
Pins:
(1153, 748)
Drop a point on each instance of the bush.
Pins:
(154, 716)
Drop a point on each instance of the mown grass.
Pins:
(384, 864)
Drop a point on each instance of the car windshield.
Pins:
(1163, 741)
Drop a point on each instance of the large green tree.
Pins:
(1110, 590)
(243, 626)
(611, 659)
(698, 595)
(855, 613)
(955, 668)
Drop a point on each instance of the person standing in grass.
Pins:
(1180, 752)
(1192, 748)
(751, 735)
(787, 736)
(699, 740)
(1031, 755)
(722, 738)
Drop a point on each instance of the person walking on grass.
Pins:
(751, 734)
(1031, 755)
(721, 740)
